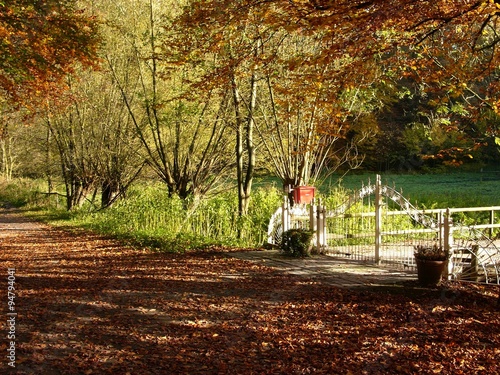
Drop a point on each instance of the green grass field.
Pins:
(440, 190)
(458, 189)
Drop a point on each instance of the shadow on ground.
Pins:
(88, 305)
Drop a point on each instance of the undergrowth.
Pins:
(149, 217)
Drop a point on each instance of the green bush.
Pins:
(297, 242)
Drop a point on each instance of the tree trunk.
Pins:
(239, 148)
(245, 140)
(250, 148)
(109, 191)
(48, 162)
(6, 149)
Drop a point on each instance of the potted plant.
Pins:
(431, 263)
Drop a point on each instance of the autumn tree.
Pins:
(7, 153)
(92, 131)
(40, 42)
(288, 111)
(453, 84)
(355, 31)
(95, 141)
(71, 134)
(305, 119)
(229, 59)
(445, 45)
(183, 136)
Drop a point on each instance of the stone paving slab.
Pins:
(330, 270)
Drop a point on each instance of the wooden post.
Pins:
(323, 230)
(442, 226)
(378, 219)
(285, 220)
(492, 221)
(318, 226)
(312, 224)
(320, 223)
(312, 216)
(447, 239)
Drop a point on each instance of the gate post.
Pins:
(312, 216)
(445, 229)
(474, 265)
(285, 221)
(447, 236)
(492, 221)
(378, 219)
(320, 227)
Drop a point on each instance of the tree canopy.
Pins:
(448, 48)
(295, 88)
(40, 41)
(360, 29)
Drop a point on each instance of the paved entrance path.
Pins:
(338, 272)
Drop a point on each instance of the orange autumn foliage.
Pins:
(40, 42)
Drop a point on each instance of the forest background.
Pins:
(188, 108)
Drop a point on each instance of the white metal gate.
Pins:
(377, 224)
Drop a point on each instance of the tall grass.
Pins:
(151, 218)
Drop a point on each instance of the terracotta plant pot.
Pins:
(430, 271)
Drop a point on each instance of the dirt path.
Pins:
(88, 305)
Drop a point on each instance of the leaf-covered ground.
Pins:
(88, 305)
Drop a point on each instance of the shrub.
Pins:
(297, 242)
(20, 192)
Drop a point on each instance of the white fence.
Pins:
(379, 234)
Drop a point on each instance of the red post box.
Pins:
(303, 194)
